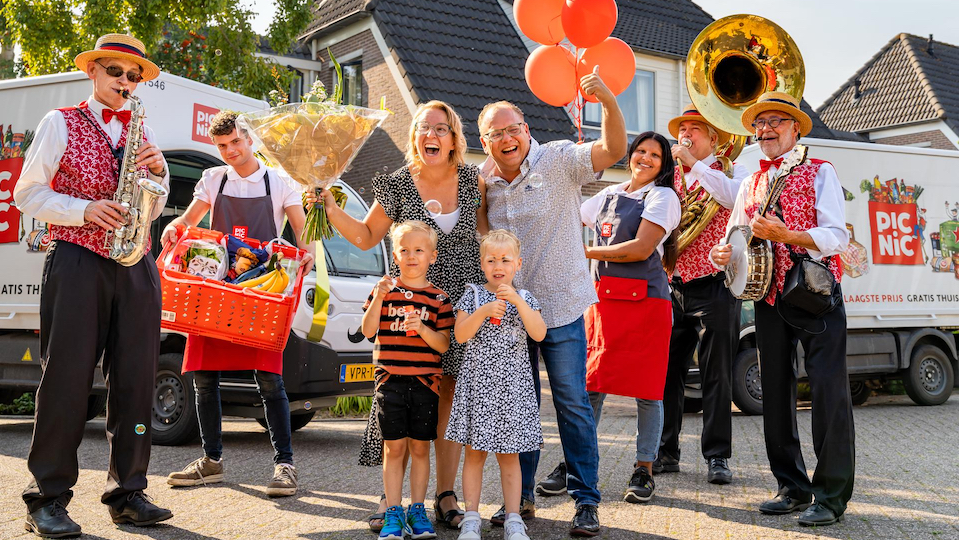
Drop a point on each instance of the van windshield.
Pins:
(349, 259)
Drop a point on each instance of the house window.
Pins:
(353, 84)
(637, 102)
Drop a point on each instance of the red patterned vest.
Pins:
(87, 171)
(694, 261)
(798, 202)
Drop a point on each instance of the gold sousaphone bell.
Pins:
(730, 64)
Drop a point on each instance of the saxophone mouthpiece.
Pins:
(125, 94)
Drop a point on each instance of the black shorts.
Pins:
(408, 408)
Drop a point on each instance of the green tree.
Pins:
(210, 41)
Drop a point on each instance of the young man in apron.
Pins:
(246, 199)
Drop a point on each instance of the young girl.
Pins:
(494, 405)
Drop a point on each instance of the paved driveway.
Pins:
(907, 484)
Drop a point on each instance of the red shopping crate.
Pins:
(211, 308)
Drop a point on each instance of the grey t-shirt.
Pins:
(544, 214)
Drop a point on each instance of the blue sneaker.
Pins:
(419, 524)
(394, 525)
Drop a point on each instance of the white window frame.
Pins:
(594, 108)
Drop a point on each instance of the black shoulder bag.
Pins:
(810, 286)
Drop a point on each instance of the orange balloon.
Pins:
(617, 66)
(551, 75)
(540, 20)
(588, 22)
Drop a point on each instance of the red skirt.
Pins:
(628, 340)
(211, 354)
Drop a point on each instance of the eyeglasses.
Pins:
(497, 134)
(773, 123)
(117, 71)
(439, 129)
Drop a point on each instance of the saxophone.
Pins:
(136, 193)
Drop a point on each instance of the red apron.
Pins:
(254, 217)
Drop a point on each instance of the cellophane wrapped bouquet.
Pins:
(314, 142)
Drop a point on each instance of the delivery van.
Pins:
(900, 278)
(178, 110)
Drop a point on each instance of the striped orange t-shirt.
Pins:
(398, 353)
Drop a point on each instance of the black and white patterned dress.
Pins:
(494, 407)
(457, 263)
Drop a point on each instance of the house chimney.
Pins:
(856, 92)
(929, 46)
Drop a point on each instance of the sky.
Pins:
(835, 37)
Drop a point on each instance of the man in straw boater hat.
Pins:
(90, 304)
(704, 311)
(806, 221)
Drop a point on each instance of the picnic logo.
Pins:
(201, 122)
(897, 231)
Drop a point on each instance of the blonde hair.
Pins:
(458, 155)
(500, 237)
(401, 229)
(490, 107)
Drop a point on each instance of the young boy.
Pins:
(411, 320)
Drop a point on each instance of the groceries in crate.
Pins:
(204, 259)
(893, 191)
(243, 258)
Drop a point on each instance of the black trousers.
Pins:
(90, 306)
(706, 314)
(824, 343)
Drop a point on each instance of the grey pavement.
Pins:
(907, 483)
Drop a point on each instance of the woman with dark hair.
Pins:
(635, 228)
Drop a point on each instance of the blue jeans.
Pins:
(649, 424)
(564, 353)
(276, 407)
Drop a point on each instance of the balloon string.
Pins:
(575, 107)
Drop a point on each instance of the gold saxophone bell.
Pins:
(736, 59)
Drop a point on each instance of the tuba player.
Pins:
(705, 313)
(90, 305)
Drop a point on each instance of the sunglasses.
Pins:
(117, 72)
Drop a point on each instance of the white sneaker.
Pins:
(514, 529)
(470, 528)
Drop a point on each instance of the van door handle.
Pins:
(930, 317)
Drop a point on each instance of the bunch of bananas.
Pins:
(274, 282)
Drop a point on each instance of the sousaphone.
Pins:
(730, 64)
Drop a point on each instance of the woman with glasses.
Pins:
(438, 187)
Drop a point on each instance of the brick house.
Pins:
(470, 52)
(906, 94)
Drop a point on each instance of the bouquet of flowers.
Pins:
(314, 142)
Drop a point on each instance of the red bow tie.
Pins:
(686, 169)
(764, 165)
(123, 116)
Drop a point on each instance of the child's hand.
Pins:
(508, 293)
(383, 286)
(414, 323)
(495, 309)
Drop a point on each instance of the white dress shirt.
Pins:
(661, 206)
(830, 235)
(282, 194)
(723, 188)
(34, 194)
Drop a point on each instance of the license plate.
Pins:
(356, 372)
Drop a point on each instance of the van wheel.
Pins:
(174, 407)
(96, 403)
(929, 379)
(297, 420)
(747, 383)
(860, 392)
